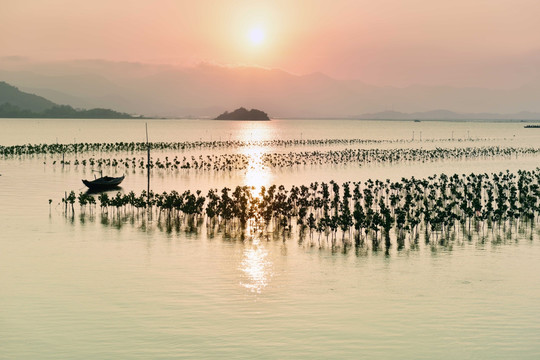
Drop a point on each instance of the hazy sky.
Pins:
(492, 43)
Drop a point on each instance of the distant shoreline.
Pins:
(236, 119)
(519, 121)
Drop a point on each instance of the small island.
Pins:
(244, 114)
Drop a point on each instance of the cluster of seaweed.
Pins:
(74, 148)
(370, 211)
(228, 162)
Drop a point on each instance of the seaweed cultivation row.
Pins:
(370, 211)
(74, 148)
(229, 162)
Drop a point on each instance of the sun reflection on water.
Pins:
(257, 268)
(257, 174)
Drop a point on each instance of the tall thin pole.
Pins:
(148, 163)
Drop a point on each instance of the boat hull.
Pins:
(104, 183)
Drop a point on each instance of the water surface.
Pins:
(75, 288)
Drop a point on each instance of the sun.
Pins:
(256, 36)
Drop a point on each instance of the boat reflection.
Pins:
(112, 190)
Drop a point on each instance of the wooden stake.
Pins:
(148, 163)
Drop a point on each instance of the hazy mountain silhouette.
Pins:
(18, 104)
(204, 90)
(10, 94)
(447, 115)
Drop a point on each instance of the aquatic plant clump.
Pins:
(228, 162)
(74, 148)
(439, 206)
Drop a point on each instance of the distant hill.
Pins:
(17, 104)
(244, 114)
(15, 97)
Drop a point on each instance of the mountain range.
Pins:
(448, 115)
(18, 104)
(207, 90)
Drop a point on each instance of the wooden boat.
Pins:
(104, 182)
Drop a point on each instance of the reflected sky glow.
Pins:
(256, 267)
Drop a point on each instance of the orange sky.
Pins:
(385, 42)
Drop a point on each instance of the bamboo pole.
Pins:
(148, 163)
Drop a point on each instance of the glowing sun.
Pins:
(256, 36)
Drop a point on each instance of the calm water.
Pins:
(79, 289)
